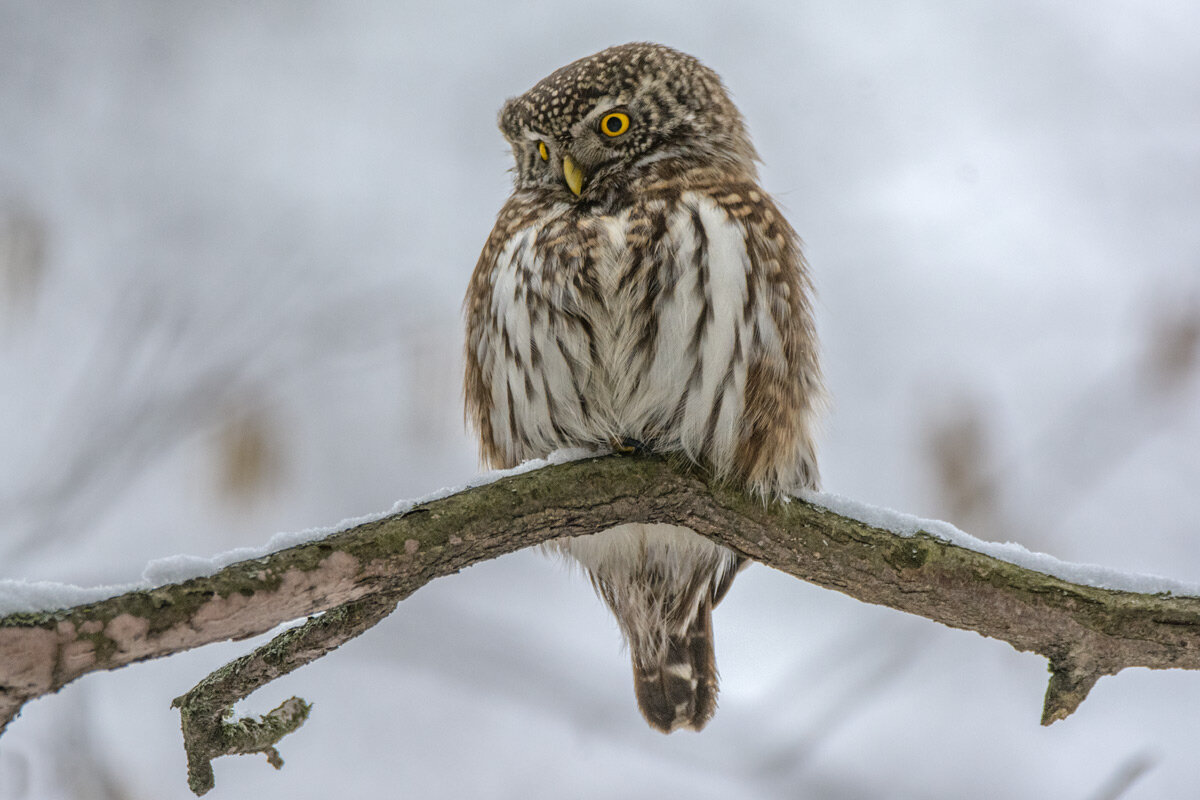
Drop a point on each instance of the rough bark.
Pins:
(1085, 632)
(204, 712)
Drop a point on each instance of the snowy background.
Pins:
(234, 239)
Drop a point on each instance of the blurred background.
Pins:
(234, 238)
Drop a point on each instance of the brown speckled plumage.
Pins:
(666, 303)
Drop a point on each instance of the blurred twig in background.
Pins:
(22, 264)
(1172, 355)
(1126, 774)
(250, 461)
(961, 457)
(868, 666)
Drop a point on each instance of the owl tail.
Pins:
(678, 689)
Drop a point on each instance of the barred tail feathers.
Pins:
(678, 689)
(661, 583)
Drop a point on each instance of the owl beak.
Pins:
(573, 175)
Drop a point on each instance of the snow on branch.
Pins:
(1087, 621)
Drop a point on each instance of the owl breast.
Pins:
(639, 325)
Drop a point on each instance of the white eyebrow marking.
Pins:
(603, 106)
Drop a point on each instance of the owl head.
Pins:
(598, 123)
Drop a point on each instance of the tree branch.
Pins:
(204, 710)
(1085, 632)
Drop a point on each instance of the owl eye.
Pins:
(614, 124)
(543, 152)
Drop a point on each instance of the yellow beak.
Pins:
(573, 175)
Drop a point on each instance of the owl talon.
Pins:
(628, 446)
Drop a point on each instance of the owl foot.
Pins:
(627, 446)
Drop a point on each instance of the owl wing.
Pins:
(529, 348)
(480, 353)
(783, 389)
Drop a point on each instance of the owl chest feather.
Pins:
(635, 324)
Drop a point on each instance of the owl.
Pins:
(640, 291)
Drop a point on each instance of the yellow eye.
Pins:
(614, 124)
(543, 152)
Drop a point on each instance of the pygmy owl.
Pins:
(640, 289)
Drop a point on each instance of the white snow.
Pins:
(26, 596)
(18, 595)
(1094, 575)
